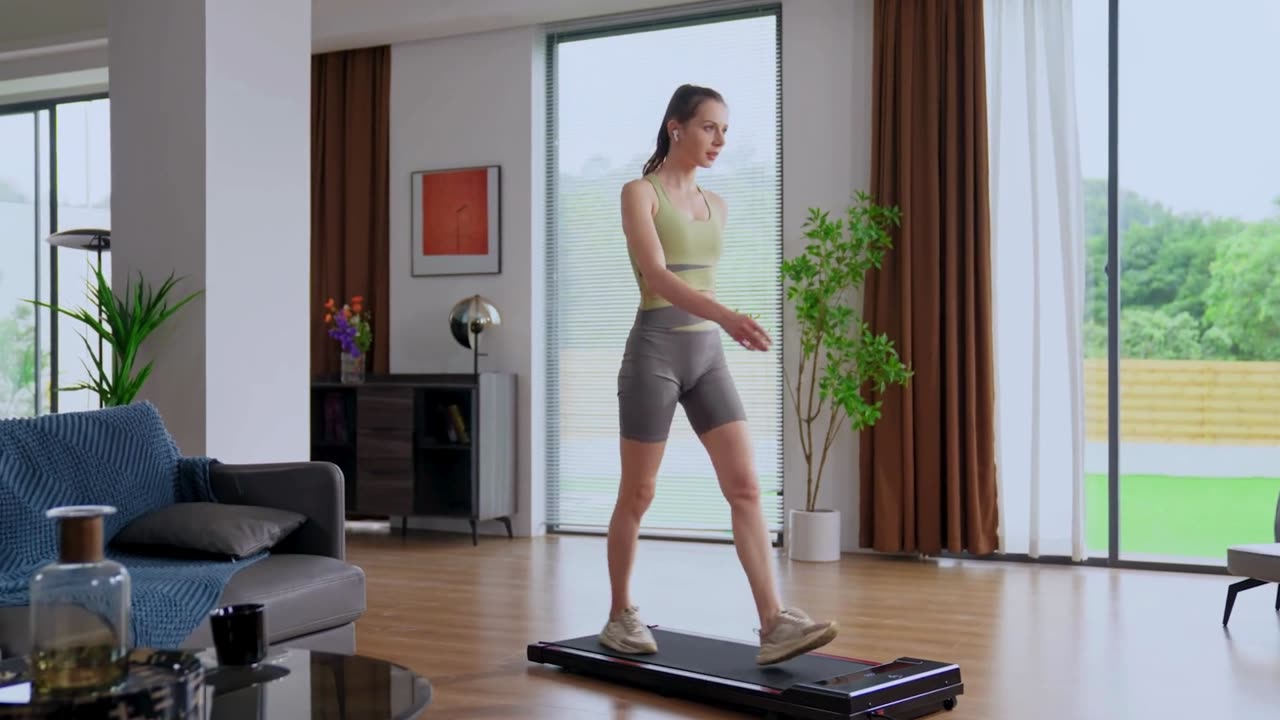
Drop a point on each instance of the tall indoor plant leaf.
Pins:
(124, 322)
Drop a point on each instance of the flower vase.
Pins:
(352, 368)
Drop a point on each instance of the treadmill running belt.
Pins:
(729, 659)
(807, 687)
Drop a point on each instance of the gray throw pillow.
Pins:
(235, 531)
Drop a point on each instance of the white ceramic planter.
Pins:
(814, 536)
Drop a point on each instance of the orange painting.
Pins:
(456, 217)
(455, 213)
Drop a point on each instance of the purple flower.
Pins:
(345, 333)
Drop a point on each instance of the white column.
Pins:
(210, 154)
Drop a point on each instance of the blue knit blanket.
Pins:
(123, 457)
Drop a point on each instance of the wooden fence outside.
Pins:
(1187, 402)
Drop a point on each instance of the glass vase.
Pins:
(79, 610)
(352, 368)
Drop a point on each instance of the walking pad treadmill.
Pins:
(724, 672)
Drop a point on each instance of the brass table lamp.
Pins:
(470, 317)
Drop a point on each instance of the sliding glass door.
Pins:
(1136, 232)
(1198, 229)
(1181, 189)
(21, 226)
(1091, 66)
(55, 174)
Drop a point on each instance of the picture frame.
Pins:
(455, 225)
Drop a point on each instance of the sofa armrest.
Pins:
(314, 489)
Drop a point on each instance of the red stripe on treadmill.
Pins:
(845, 657)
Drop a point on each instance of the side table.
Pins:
(296, 684)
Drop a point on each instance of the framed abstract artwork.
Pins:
(455, 227)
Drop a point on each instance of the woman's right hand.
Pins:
(746, 331)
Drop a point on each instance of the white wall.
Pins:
(158, 222)
(478, 98)
(258, 220)
(475, 100)
(210, 152)
(54, 86)
(826, 120)
(54, 56)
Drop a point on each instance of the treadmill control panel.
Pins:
(897, 669)
(862, 688)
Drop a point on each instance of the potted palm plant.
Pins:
(123, 322)
(842, 365)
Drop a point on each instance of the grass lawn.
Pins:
(1183, 516)
(1164, 517)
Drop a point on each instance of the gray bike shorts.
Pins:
(664, 364)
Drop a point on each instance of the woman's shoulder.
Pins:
(644, 182)
(640, 189)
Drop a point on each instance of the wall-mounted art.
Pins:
(455, 228)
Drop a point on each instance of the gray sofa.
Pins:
(313, 597)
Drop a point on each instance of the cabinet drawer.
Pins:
(385, 445)
(383, 490)
(384, 409)
(384, 475)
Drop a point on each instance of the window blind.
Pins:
(607, 89)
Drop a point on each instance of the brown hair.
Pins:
(682, 107)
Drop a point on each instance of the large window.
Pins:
(55, 174)
(21, 222)
(607, 91)
(1136, 231)
(1198, 231)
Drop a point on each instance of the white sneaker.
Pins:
(795, 634)
(629, 634)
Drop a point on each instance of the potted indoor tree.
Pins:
(842, 366)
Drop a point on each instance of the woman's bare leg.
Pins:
(640, 462)
(625, 631)
(784, 632)
(729, 446)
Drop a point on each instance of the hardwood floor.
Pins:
(1032, 641)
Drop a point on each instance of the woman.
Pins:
(673, 355)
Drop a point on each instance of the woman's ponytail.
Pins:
(660, 153)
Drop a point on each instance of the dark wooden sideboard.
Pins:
(413, 445)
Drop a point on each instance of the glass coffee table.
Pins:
(290, 684)
(294, 683)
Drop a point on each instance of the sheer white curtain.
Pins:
(1038, 249)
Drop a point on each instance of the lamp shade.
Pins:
(82, 239)
(469, 317)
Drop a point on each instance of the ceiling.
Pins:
(340, 24)
(336, 24)
(34, 23)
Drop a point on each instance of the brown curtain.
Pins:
(350, 144)
(927, 469)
